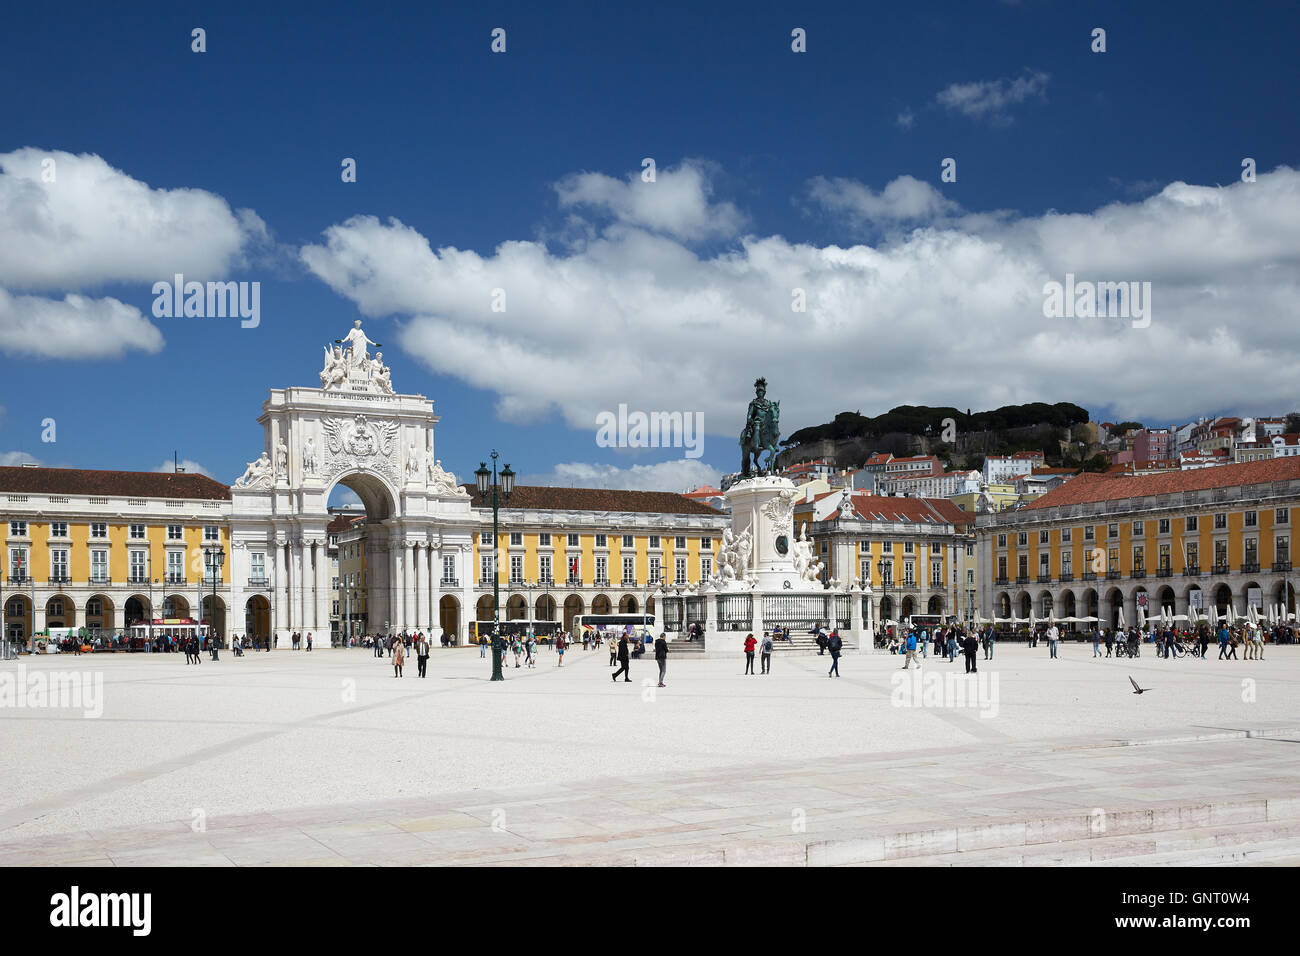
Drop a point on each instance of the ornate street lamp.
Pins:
(502, 486)
(216, 561)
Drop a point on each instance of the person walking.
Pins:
(911, 650)
(1203, 638)
(821, 640)
(834, 645)
(661, 657)
(749, 653)
(990, 636)
(1096, 642)
(309, 640)
(421, 653)
(1053, 635)
(952, 644)
(561, 643)
(613, 649)
(766, 659)
(621, 652)
(970, 646)
(399, 654)
(1109, 637)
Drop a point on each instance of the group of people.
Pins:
(949, 641)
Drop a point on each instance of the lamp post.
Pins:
(530, 585)
(885, 570)
(216, 561)
(501, 486)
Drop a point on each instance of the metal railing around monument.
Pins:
(799, 612)
(735, 612)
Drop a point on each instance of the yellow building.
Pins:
(1212, 537)
(916, 554)
(107, 549)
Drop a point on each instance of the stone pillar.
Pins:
(299, 587)
(395, 618)
(321, 630)
(756, 614)
(280, 568)
(855, 619)
(421, 555)
(467, 609)
(435, 590)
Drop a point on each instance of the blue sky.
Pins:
(776, 170)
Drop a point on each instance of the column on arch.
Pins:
(395, 617)
(421, 556)
(435, 589)
(280, 617)
(299, 587)
(321, 630)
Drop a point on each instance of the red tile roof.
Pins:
(1093, 487)
(547, 498)
(895, 508)
(111, 484)
(343, 522)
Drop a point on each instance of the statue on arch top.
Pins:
(357, 341)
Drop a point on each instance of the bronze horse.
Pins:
(761, 433)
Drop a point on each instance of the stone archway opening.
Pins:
(449, 616)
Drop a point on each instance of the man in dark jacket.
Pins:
(821, 640)
(622, 660)
(970, 645)
(661, 657)
(833, 645)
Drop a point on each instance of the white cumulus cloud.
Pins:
(74, 327)
(187, 465)
(993, 99)
(676, 203)
(679, 476)
(72, 222)
(950, 312)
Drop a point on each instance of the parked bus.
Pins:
(170, 633)
(544, 631)
(602, 624)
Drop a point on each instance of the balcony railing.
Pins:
(101, 579)
(174, 579)
(1220, 569)
(1002, 582)
(575, 582)
(60, 579)
(1022, 579)
(1066, 577)
(1191, 571)
(1281, 565)
(1138, 573)
(1114, 575)
(1164, 572)
(261, 582)
(602, 582)
(1088, 576)
(486, 582)
(450, 583)
(1250, 567)
(137, 579)
(19, 578)
(547, 581)
(1044, 579)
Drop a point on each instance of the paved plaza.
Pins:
(325, 758)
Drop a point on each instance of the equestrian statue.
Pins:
(761, 433)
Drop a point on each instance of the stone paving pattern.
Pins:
(326, 759)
